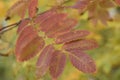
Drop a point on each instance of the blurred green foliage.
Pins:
(107, 56)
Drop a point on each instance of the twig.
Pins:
(5, 55)
(9, 27)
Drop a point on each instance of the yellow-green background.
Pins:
(107, 56)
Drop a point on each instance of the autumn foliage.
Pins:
(56, 24)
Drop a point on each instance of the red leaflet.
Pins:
(82, 61)
(27, 35)
(71, 36)
(32, 7)
(117, 1)
(80, 45)
(52, 21)
(30, 50)
(57, 64)
(21, 7)
(81, 5)
(18, 8)
(106, 3)
(43, 17)
(28, 43)
(44, 60)
(62, 27)
(22, 25)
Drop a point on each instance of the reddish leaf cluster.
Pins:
(61, 28)
(57, 25)
(97, 9)
(21, 6)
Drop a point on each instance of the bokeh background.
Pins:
(107, 56)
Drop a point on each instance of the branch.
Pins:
(5, 55)
(9, 27)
